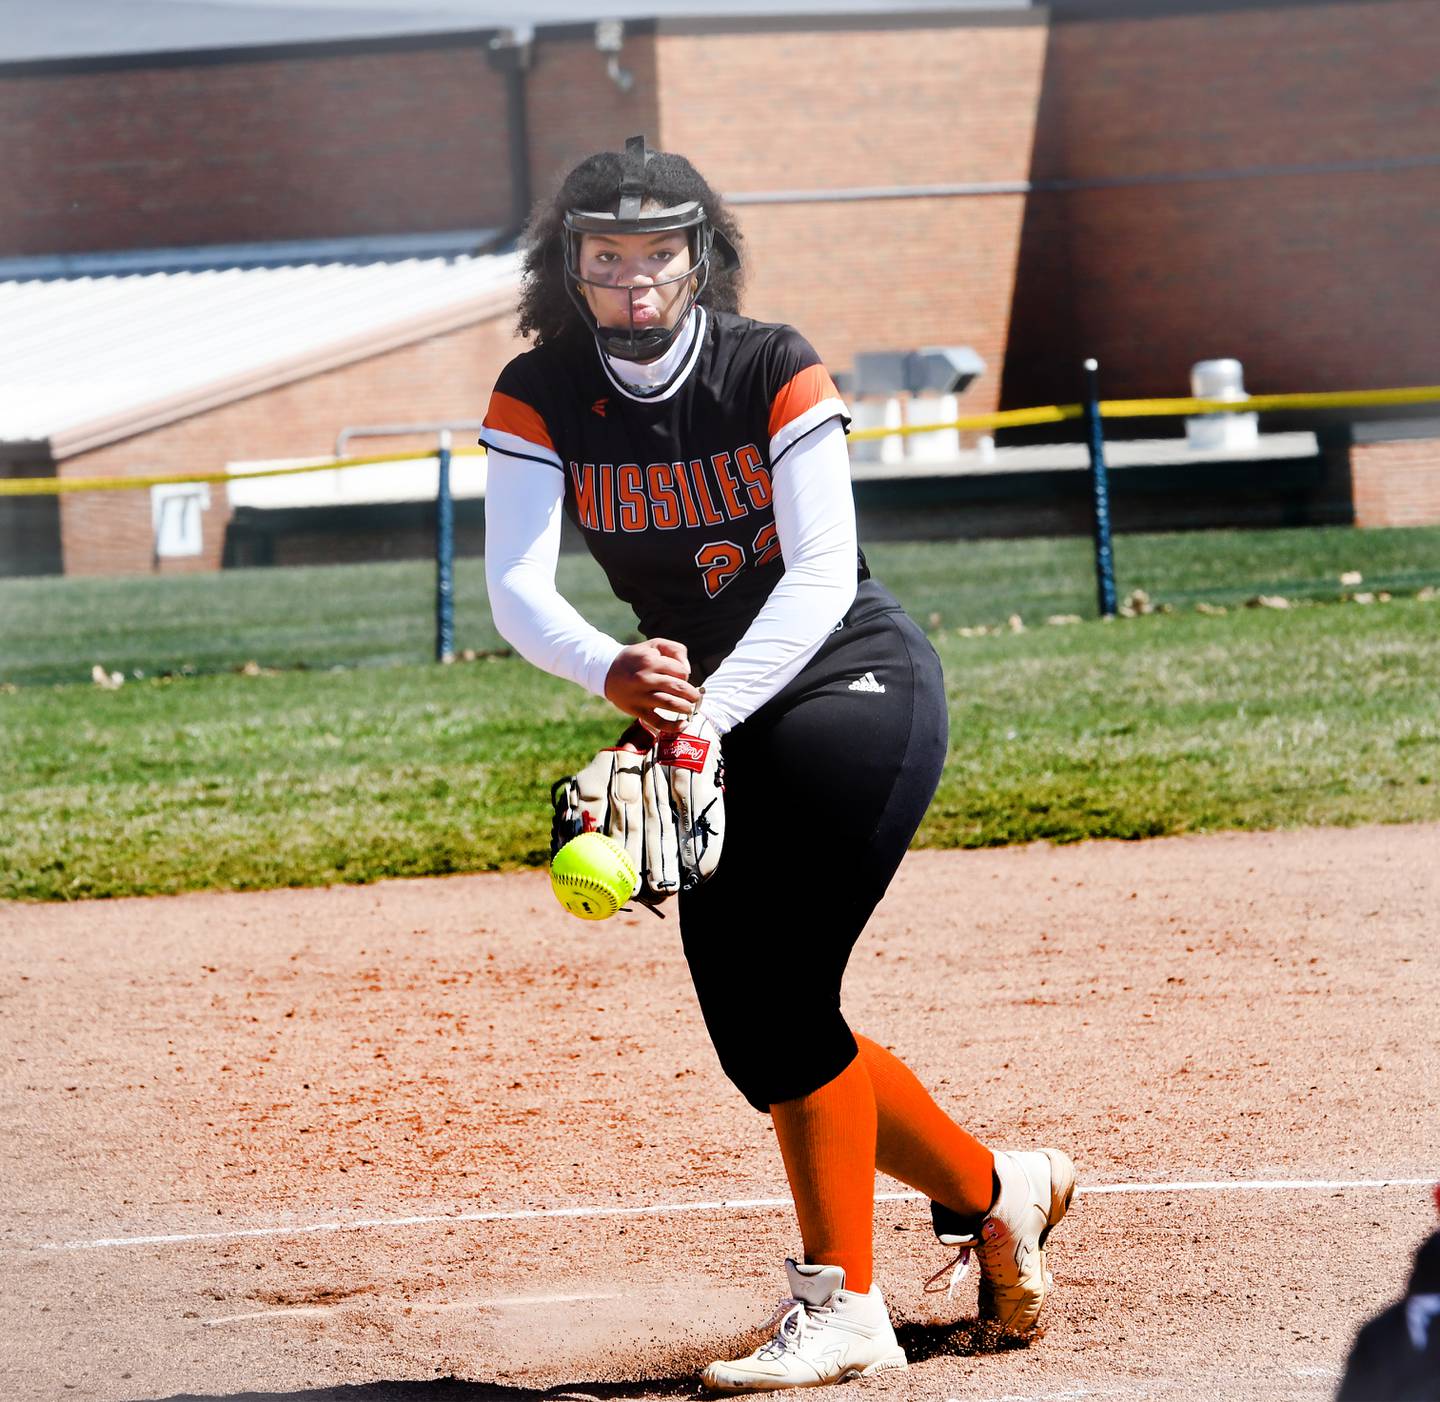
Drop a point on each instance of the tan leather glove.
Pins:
(689, 768)
(661, 797)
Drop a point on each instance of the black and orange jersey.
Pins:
(673, 492)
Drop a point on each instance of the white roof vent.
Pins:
(1228, 433)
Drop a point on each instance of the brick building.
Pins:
(1150, 183)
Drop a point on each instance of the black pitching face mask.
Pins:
(635, 190)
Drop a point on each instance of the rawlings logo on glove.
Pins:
(661, 798)
(682, 750)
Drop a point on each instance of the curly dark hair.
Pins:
(546, 311)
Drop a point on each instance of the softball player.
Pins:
(702, 456)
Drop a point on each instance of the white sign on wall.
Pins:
(176, 511)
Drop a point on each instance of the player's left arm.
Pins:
(815, 524)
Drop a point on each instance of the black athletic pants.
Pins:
(825, 786)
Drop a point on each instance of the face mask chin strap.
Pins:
(651, 342)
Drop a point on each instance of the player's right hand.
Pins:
(649, 678)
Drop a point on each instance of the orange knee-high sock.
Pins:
(827, 1139)
(918, 1143)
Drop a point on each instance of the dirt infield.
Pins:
(435, 1140)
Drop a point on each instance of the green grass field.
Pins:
(374, 615)
(1321, 714)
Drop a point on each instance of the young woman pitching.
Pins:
(702, 456)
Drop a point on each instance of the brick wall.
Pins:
(852, 103)
(912, 272)
(573, 109)
(1319, 280)
(1315, 279)
(447, 376)
(252, 149)
(837, 102)
(1396, 483)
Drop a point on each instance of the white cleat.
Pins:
(826, 1334)
(1035, 1193)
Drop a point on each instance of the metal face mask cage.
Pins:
(632, 342)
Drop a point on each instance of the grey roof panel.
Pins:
(76, 29)
(92, 28)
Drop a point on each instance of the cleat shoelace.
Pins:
(958, 1269)
(793, 1319)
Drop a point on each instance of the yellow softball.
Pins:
(593, 876)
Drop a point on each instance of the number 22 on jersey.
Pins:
(721, 560)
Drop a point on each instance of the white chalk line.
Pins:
(532, 1214)
(294, 1312)
(437, 1307)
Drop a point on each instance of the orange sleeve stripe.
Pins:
(805, 391)
(510, 415)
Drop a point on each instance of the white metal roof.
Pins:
(68, 29)
(80, 353)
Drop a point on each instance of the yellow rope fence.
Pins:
(979, 423)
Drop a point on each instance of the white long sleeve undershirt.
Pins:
(815, 524)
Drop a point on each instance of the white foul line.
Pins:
(500, 1302)
(294, 1310)
(530, 1214)
(1250, 1185)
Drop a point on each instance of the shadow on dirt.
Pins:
(455, 1390)
(963, 1339)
